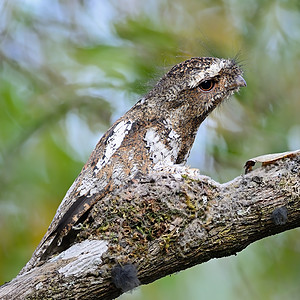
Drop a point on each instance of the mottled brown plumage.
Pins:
(158, 130)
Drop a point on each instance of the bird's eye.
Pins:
(206, 85)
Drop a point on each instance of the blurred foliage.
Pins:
(68, 69)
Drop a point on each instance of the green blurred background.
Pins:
(68, 69)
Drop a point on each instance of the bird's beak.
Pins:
(239, 82)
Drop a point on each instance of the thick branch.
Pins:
(163, 223)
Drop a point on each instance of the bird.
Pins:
(159, 130)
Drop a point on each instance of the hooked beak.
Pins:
(239, 82)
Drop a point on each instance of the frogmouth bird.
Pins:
(159, 130)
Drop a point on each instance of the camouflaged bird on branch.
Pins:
(159, 130)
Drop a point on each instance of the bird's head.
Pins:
(197, 85)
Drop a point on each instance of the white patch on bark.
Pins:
(178, 170)
(159, 152)
(113, 143)
(87, 257)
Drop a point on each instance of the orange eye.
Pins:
(206, 85)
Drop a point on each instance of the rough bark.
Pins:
(165, 222)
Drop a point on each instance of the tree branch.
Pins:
(163, 223)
